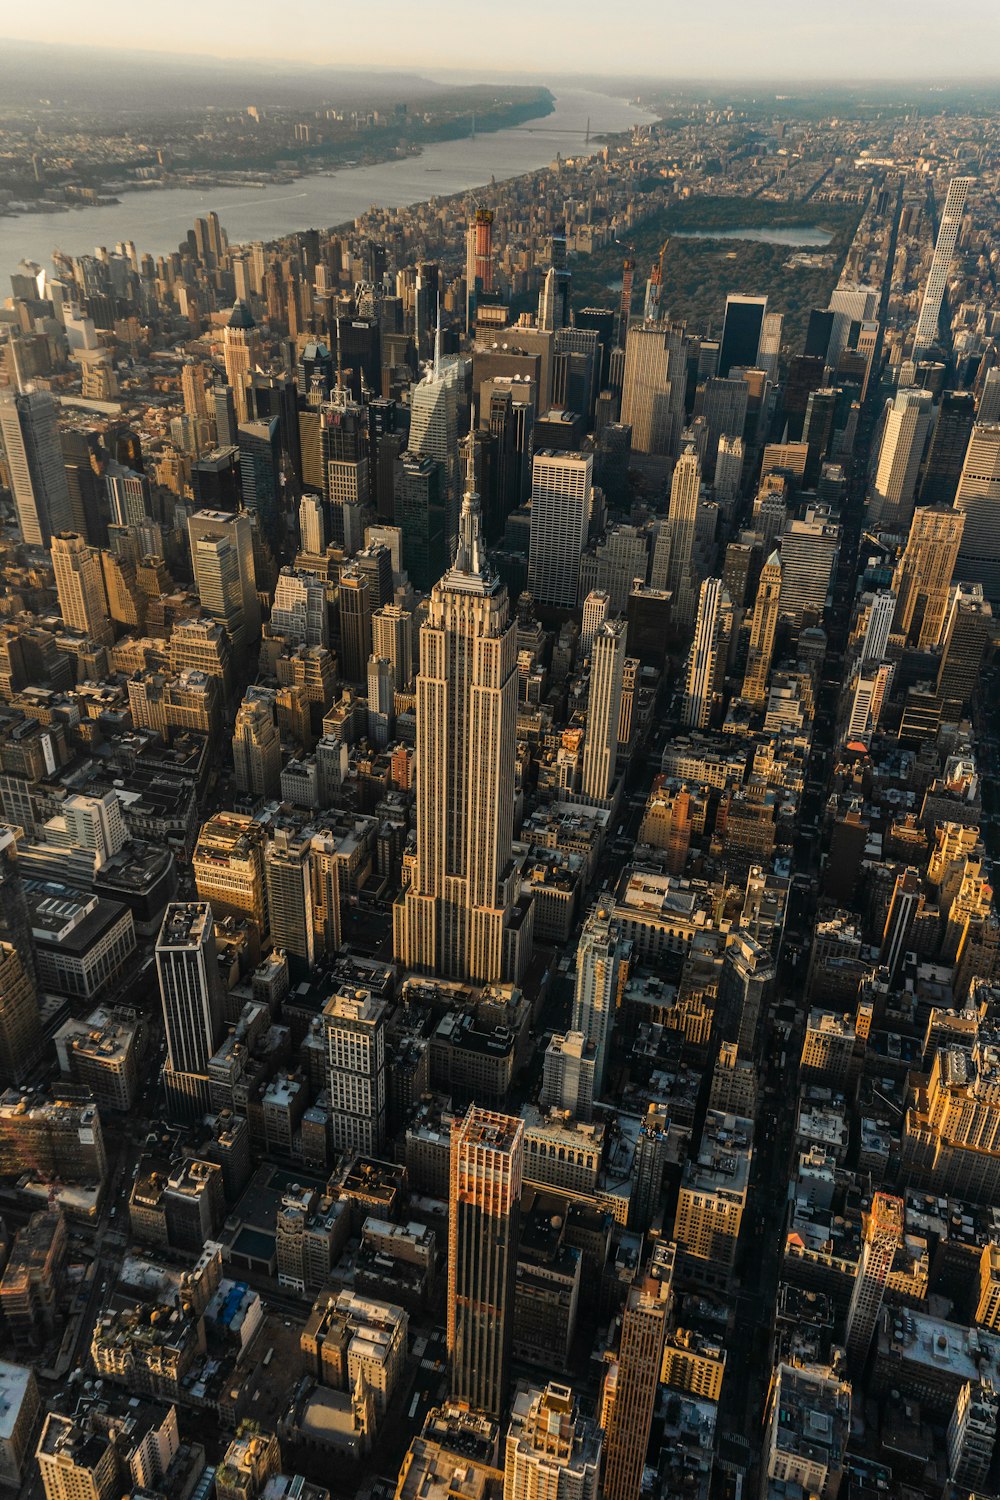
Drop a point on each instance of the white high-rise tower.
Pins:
(944, 250)
(456, 916)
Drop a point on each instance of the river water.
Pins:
(157, 220)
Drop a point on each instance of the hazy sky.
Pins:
(791, 39)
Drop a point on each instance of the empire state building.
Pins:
(459, 917)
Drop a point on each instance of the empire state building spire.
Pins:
(469, 558)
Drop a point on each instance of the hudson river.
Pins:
(157, 220)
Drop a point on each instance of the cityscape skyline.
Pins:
(499, 764)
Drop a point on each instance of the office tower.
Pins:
(354, 599)
(420, 510)
(964, 642)
(312, 525)
(299, 612)
(15, 916)
(988, 399)
(20, 1019)
(729, 472)
(972, 1434)
(128, 495)
(240, 351)
(478, 262)
(682, 517)
(80, 1464)
(434, 402)
(83, 602)
(904, 434)
(260, 476)
(809, 551)
(551, 1453)
(948, 447)
(346, 465)
(193, 389)
(635, 1383)
(741, 333)
(764, 624)
(568, 1075)
(883, 1233)
(487, 1154)
(706, 666)
(596, 609)
(553, 300)
(724, 408)
(929, 320)
(603, 957)
(228, 866)
(922, 579)
(222, 560)
(456, 917)
(392, 639)
(870, 690)
(769, 352)
(354, 1027)
(36, 465)
(806, 1432)
(375, 563)
(881, 613)
(600, 748)
(712, 1200)
(257, 747)
(978, 498)
(96, 823)
(561, 501)
(188, 972)
(850, 304)
(289, 896)
(224, 412)
(988, 1305)
(653, 388)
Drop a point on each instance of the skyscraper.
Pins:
(561, 501)
(923, 574)
(881, 612)
(741, 332)
(20, 1020)
(392, 640)
(937, 280)
(456, 917)
(978, 497)
(354, 1024)
(948, 447)
(487, 1152)
(287, 867)
(603, 957)
(766, 610)
(596, 608)
(904, 435)
(222, 560)
(551, 1453)
(653, 388)
(83, 602)
(478, 261)
(354, 598)
(600, 749)
(708, 655)
(240, 352)
(260, 475)
(419, 509)
(228, 866)
(883, 1231)
(188, 972)
(630, 1403)
(682, 517)
(35, 460)
(434, 429)
(257, 746)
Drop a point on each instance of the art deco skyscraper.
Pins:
(239, 338)
(455, 917)
(682, 517)
(922, 579)
(883, 1231)
(487, 1152)
(944, 250)
(83, 602)
(766, 610)
(600, 749)
(35, 460)
(629, 1404)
